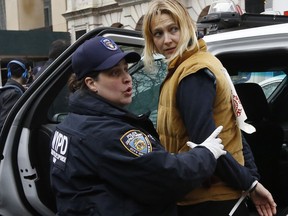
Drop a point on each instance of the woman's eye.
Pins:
(174, 29)
(157, 34)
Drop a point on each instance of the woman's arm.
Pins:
(195, 99)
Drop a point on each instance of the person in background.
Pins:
(32, 73)
(195, 98)
(56, 48)
(108, 161)
(14, 87)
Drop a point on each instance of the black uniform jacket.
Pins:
(107, 161)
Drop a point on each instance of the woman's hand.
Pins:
(263, 201)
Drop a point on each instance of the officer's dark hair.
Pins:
(74, 84)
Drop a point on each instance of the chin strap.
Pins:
(245, 194)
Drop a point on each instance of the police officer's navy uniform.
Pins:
(107, 161)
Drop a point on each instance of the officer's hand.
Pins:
(212, 143)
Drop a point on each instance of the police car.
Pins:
(250, 56)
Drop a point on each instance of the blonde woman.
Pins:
(195, 98)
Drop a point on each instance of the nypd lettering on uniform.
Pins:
(59, 149)
(136, 142)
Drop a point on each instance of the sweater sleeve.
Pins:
(249, 159)
(196, 94)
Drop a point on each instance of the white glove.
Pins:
(212, 143)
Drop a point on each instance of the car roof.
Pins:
(239, 50)
(250, 32)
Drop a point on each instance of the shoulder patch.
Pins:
(59, 149)
(136, 142)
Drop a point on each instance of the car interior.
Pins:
(266, 143)
(268, 115)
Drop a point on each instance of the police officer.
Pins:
(108, 161)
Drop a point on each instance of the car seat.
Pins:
(267, 141)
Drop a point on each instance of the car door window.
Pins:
(146, 86)
(268, 80)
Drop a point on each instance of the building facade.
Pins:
(33, 14)
(28, 27)
(80, 16)
(85, 15)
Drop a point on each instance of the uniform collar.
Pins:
(83, 102)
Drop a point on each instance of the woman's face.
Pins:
(165, 34)
(114, 84)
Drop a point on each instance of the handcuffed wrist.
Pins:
(253, 186)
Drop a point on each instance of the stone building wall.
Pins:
(85, 15)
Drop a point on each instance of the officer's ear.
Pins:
(91, 84)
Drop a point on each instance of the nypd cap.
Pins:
(98, 54)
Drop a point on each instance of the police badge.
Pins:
(136, 142)
(109, 44)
